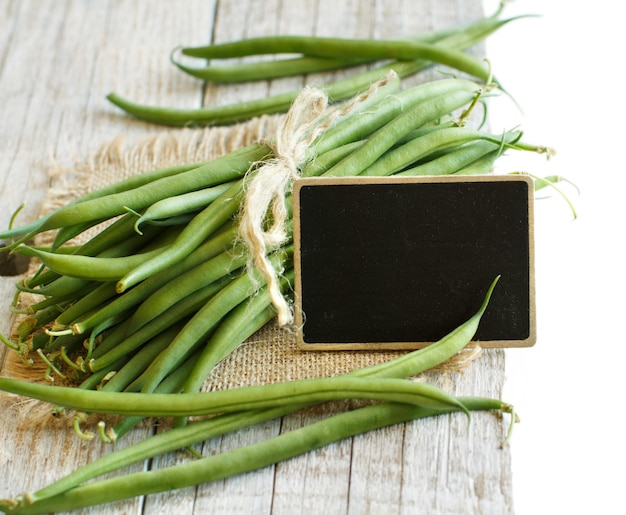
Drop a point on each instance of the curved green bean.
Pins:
(418, 361)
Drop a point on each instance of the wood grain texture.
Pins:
(58, 60)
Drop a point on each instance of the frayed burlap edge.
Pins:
(271, 355)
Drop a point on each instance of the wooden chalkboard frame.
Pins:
(511, 195)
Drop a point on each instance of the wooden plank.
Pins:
(55, 113)
(59, 60)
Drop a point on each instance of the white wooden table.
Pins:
(58, 60)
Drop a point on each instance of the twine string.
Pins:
(306, 120)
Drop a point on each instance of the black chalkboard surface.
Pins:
(400, 262)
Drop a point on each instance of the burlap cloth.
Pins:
(270, 355)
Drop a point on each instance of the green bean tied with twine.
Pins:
(132, 329)
(107, 303)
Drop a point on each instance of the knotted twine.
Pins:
(306, 120)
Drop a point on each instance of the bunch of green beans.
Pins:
(137, 316)
(405, 56)
(162, 294)
(402, 401)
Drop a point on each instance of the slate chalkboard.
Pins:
(400, 262)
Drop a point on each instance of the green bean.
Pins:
(54, 284)
(452, 160)
(181, 204)
(38, 319)
(90, 302)
(123, 342)
(320, 164)
(198, 230)
(116, 233)
(50, 344)
(284, 67)
(61, 286)
(481, 166)
(142, 291)
(69, 232)
(137, 363)
(61, 301)
(170, 385)
(132, 182)
(267, 396)
(247, 72)
(239, 324)
(95, 380)
(103, 241)
(416, 362)
(87, 267)
(386, 137)
(338, 47)
(206, 319)
(110, 264)
(418, 148)
(223, 169)
(227, 262)
(220, 115)
(244, 459)
(110, 236)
